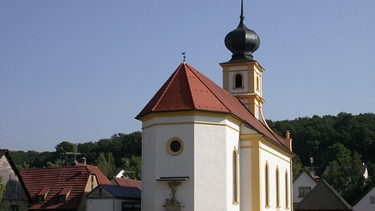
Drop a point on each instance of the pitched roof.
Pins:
(363, 195)
(323, 197)
(128, 183)
(123, 192)
(5, 153)
(55, 181)
(188, 90)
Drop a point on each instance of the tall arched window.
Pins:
(236, 198)
(277, 188)
(286, 190)
(238, 81)
(267, 185)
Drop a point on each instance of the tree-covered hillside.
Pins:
(121, 151)
(339, 145)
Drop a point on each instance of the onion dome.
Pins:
(242, 42)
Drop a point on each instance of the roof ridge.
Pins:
(199, 75)
(58, 167)
(185, 65)
(168, 84)
(336, 194)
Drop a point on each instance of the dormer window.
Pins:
(238, 81)
(64, 194)
(42, 195)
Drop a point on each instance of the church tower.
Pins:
(205, 147)
(242, 75)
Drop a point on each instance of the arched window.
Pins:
(286, 190)
(267, 185)
(236, 198)
(238, 81)
(277, 188)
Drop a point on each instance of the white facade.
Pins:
(301, 186)
(367, 202)
(206, 160)
(103, 204)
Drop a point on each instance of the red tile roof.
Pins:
(128, 183)
(55, 181)
(187, 89)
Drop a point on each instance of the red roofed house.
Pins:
(62, 188)
(209, 148)
(126, 183)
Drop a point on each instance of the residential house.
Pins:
(62, 188)
(114, 198)
(323, 198)
(15, 197)
(366, 201)
(302, 185)
(128, 183)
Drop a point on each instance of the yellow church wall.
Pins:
(260, 152)
(277, 160)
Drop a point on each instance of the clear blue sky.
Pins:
(80, 71)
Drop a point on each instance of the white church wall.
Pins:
(232, 143)
(205, 159)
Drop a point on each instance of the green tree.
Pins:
(106, 164)
(345, 172)
(57, 163)
(132, 167)
(297, 166)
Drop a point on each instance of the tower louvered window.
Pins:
(238, 81)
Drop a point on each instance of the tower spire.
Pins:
(242, 41)
(242, 75)
(242, 17)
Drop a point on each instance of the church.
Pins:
(206, 147)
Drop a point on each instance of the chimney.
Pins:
(83, 161)
(288, 140)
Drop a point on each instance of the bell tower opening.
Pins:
(242, 75)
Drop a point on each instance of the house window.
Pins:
(92, 183)
(14, 208)
(235, 177)
(131, 206)
(238, 81)
(277, 188)
(258, 84)
(303, 191)
(286, 190)
(266, 181)
(372, 200)
(64, 194)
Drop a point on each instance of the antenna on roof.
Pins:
(184, 57)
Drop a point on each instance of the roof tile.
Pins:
(188, 89)
(55, 181)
